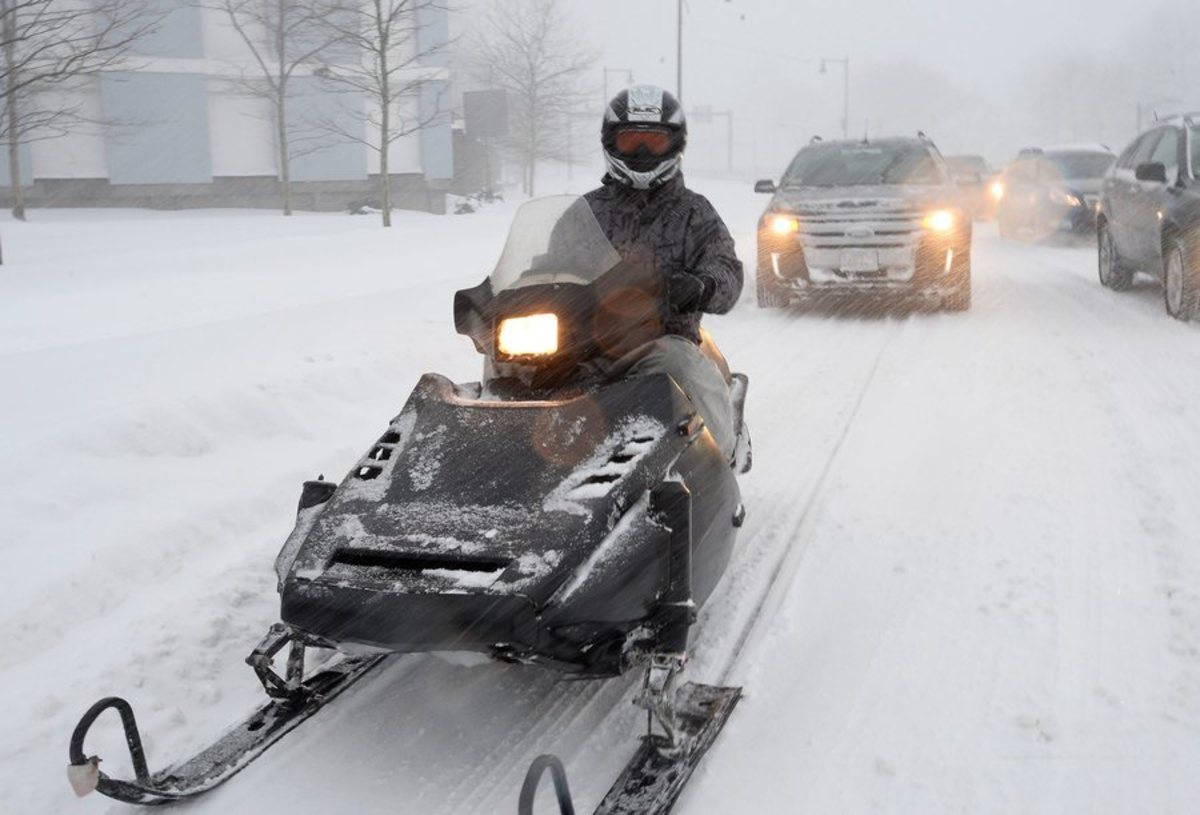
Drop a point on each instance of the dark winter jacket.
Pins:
(678, 231)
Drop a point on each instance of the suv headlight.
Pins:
(1065, 198)
(941, 221)
(782, 224)
(532, 335)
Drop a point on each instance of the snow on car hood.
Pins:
(886, 196)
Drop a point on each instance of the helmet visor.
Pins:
(654, 141)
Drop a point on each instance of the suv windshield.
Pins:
(846, 165)
(1081, 165)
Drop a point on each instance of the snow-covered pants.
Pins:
(694, 371)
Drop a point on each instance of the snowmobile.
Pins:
(542, 515)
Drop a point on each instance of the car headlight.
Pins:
(997, 189)
(1065, 198)
(940, 220)
(783, 224)
(533, 335)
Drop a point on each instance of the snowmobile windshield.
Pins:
(553, 240)
(851, 165)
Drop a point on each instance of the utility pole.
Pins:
(845, 63)
(679, 51)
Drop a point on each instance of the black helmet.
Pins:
(644, 133)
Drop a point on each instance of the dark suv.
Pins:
(1149, 217)
(1052, 190)
(853, 218)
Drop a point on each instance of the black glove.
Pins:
(687, 292)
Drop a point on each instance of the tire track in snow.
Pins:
(564, 709)
(793, 554)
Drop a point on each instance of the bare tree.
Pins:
(53, 45)
(387, 37)
(285, 39)
(528, 48)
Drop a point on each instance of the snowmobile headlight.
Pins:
(533, 335)
(997, 189)
(783, 224)
(940, 220)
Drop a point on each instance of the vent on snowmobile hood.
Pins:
(417, 561)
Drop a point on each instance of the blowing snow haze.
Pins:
(984, 78)
(369, 450)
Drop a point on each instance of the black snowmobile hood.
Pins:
(444, 504)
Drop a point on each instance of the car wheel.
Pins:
(959, 299)
(769, 292)
(1114, 274)
(1180, 289)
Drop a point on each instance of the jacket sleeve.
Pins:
(711, 255)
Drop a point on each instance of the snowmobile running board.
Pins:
(655, 777)
(218, 762)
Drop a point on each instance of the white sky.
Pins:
(974, 75)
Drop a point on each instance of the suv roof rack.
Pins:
(815, 139)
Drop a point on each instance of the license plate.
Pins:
(860, 260)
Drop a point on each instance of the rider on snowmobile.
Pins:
(649, 215)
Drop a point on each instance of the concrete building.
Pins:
(178, 131)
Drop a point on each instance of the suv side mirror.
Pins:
(765, 185)
(1151, 171)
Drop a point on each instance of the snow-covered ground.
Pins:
(984, 527)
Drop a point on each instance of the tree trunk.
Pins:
(281, 130)
(385, 187)
(17, 194)
(285, 170)
(13, 119)
(534, 127)
(385, 125)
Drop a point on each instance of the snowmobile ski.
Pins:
(655, 777)
(221, 760)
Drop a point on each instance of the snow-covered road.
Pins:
(984, 529)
